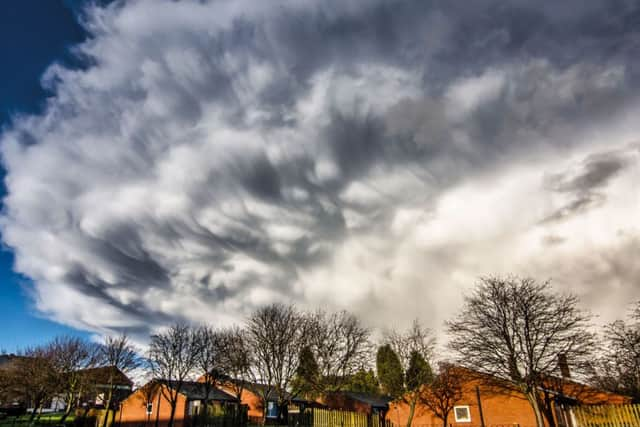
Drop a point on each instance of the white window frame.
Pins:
(268, 412)
(462, 420)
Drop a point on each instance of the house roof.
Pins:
(194, 390)
(272, 394)
(370, 399)
(101, 375)
(561, 388)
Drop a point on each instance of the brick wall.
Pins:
(500, 407)
(134, 410)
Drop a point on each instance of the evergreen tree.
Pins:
(390, 372)
(307, 375)
(363, 381)
(418, 373)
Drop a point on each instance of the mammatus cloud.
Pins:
(370, 155)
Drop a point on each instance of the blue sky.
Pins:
(33, 34)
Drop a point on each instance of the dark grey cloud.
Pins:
(584, 182)
(220, 155)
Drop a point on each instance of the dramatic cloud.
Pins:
(378, 156)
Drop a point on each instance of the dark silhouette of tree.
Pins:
(413, 348)
(514, 329)
(208, 363)
(30, 377)
(235, 360)
(340, 346)
(618, 369)
(390, 372)
(305, 382)
(363, 381)
(172, 360)
(276, 333)
(70, 357)
(116, 354)
(444, 392)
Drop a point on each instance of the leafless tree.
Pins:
(341, 347)
(416, 339)
(209, 358)
(276, 333)
(444, 392)
(514, 329)
(618, 369)
(414, 348)
(71, 356)
(116, 354)
(30, 376)
(235, 360)
(172, 357)
(149, 392)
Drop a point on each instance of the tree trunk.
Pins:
(36, 406)
(67, 410)
(283, 413)
(173, 413)
(444, 420)
(412, 408)
(533, 400)
(547, 410)
(107, 407)
(264, 410)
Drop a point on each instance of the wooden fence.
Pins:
(328, 418)
(607, 416)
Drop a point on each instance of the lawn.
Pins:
(42, 420)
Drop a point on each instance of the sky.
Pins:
(194, 160)
(33, 34)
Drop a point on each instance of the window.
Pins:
(462, 414)
(149, 408)
(272, 410)
(194, 407)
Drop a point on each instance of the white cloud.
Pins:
(216, 156)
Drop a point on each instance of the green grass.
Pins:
(44, 419)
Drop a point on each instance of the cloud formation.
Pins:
(372, 155)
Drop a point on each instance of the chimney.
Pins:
(564, 365)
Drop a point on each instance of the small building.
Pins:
(101, 380)
(149, 407)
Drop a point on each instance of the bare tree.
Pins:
(414, 349)
(276, 333)
(415, 339)
(149, 392)
(209, 358)
(618, 369)
(71, 356)
(341, 347)
(116, 354)
(514, 329)
(444, 392)
(173, 359)
(30, 376)
(235, 360)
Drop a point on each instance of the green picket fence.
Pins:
(607, 416)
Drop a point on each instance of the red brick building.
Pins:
(149, 406)
(484, 402)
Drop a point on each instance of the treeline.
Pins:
(70, 369)
(516, 330)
